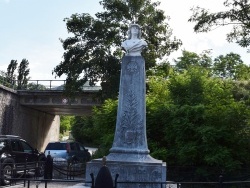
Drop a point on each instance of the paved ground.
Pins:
(63, 185)
(49, 185)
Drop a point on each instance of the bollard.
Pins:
(48, 169)
(25, 173)
(37, 170)
(92, 180)
(116, 177)
(221, 181)
(28, 183)
(104, 178)
(1, 178)
(13, 173)
(69, 171)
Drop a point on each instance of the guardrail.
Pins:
(39, 85)
(57, 85)
(42, 85)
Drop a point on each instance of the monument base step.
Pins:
(132, 174)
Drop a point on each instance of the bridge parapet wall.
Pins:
(55, 102)
(35, 126)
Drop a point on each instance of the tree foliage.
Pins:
(65, 123)
(93, 52)
(23, 72)
(161, 69)
(97, 129)
(193, 59)
(229, 66)
(201, 123)
(241, 91)
(35, 86)
(236, 14)
(193, 119)
(11, 71)
(82, 129)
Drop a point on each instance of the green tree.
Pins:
(229, 66)
(161, 69)
(35, 86)
(94, 53)
(242, 72)
(65, 123)
(241, 91)
(200, 124)
(193, 59)
(82, 130)
(11, 71)
(237, 14)
(194, 120)
(23, 72)
(97, 129)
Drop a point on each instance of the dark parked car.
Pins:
(16, 152)
(68, 151)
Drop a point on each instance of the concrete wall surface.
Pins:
(36, 127)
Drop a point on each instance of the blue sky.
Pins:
(31, 29)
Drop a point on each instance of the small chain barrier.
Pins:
(14, 171)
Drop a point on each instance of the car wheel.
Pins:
(7, 172)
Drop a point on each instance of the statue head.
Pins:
(137, 27)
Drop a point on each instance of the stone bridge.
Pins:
(35, 114)
(56, 102)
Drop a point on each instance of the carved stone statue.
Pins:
(134, 45)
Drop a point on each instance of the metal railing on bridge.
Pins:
(58, 85)
(40, 85)
(43, 85)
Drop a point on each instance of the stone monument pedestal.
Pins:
(134, 173)
(129, 156)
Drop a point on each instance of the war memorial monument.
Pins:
(129, 156)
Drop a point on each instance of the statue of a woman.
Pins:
(134, 45)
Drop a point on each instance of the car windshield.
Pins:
(56, 146)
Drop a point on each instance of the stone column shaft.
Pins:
(130, 134)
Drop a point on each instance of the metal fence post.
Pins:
(1, 178)
(178, 185)
(48, 169)
(13, 173)
(92, 180)
(116, 177)
(25, 171)
(28, 183)
(221, 181)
